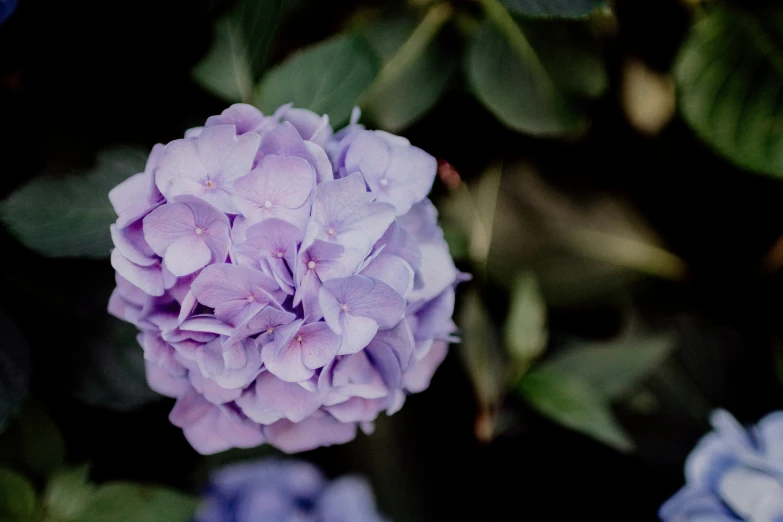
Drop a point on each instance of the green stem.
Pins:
(505, 23)
(414, 46)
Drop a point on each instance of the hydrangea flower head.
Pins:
(276, 490)
(732, 474)
(289, 282)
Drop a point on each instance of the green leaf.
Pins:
(509, 78)
(554, 8)
(113, 376)
(526, 329)
(238, 54)
(612, 369)
(575, 404)
(416, 68)
(32, 443)
(14, 368)
(329, 77)
(70, 216)
(67, 494)
(17, 496)
(729, 75)
(126, 502)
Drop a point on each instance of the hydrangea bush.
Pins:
(276, 490)
(732, 474)
(289, 282)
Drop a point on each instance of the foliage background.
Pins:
(689, 251)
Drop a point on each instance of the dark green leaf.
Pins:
(526, 330)
(575, 404)
(114, 375)
(17, 496)
(407, 88)
(511, 81)
(70, 216)
(126, 502)
(32, 443)
(67, 494)
(326, 78)
(729, 75)
(612, 369)
(14, 368)
(236, 59)
(554, 8)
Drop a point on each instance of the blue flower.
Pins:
(285, 491)
(732, 474)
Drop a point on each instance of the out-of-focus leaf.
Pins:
(554, 8)
(526, 330)
(32, 443)
(14, 368)
(612, 369)
(482, 359)
(648, 97)
(114, 374)
(67, 494)
(416, 69)
(17, 496)
(126, 502)
(236, 59)
(575, 404)
(328, 77)
(70, 216)
(509, 78)
(729, 76)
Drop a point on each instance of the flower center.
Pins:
(384, 182)
(299, 338)
(279, 254)
(344, 307)
(311, 264)
(199, 231)
(331, 231)
(210, 184)
(267, 204)
(270, 329)
(251, 298)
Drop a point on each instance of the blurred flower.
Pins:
(7, 8)
(732, 474)
(284, 295)
(290, 491)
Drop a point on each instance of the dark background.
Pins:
(76, 77)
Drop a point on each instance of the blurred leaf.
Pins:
(328, 77)
(32, 443)
(648, 97)
(554, 8)
(612, 369)
(126, 502)
(70, 216)
(236, 59)
(14, 368)
(526, 329)
(729, 75)
(114, 376)
(67, 494)
(512, 83)
(17, 496)
(482, 360)
(575, 404)
(416, 69)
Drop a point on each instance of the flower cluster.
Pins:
(289, 282)
(285, 490)
(732, 474)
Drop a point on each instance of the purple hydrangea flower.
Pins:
(284, 294)
(276, 490)
(732, 474)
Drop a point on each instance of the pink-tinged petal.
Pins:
(309, 125)
(163, 382)
(272, 399)
(283, 356)
(393, 271)
(307, 294)
(180, 169)
(226, 156)
(357, 409)
(357, 333)
(187, 305)
(244, 117)
(211, 391)
(399, 242)
(283, 141)
(186, 255)
(322, 258)
(321, 163)
(437, 271)
(211, 361)
(207, 324)
(146, 278)
(360, 296)
(270, 318)
(166, 224)
(418, 377)
(386, 363)
(315, 431)
(160, 353)
(319, 344)
(400, 341)
(235, 292)
(356, 376)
